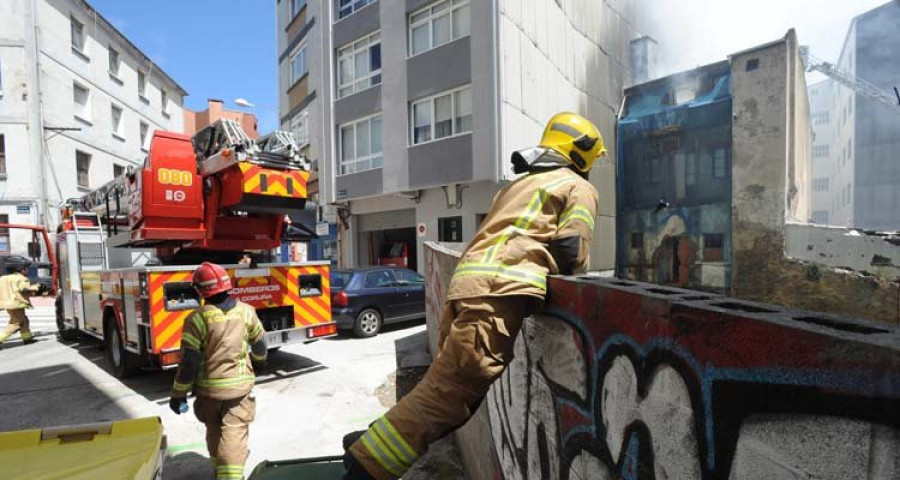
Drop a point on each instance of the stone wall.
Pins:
(630, 380)
(771, 157)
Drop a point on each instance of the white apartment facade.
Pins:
(823, 188)
(419, 105)
(78, 105)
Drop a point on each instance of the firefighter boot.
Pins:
(27, 336)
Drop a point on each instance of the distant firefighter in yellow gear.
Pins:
(217, 364)
(15, 290)
(540, 224)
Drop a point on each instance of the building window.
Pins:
(655, 170)
(164, 102)
(116, 118)
(347, 7)
(690, 170)
(83, 168)
(450, 229)
(145, 132)
(713, 247)
(821, 118)
(820, 217)
(752, 64)
(118, 170)
(142, 85)
(442, 116)
(820, 151)
(820, 185)
(114, 62)
(361, 145)
(2, 156)
(298, 64)
(296, 6)
(77, 35)
(359, 65)
(637, 239)
(438, 24)
(82, 98)
(4, 235)
(720, 163)
(300, 128)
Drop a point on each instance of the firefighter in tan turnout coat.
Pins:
(15, 290)
(217, 364)
(541, 224)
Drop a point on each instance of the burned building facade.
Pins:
(674, 180)
(714, 182)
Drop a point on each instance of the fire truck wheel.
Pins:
(122, 362)
(66, 333)
(368, 323)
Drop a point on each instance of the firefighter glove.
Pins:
(178, 405)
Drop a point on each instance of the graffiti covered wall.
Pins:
(630, 380)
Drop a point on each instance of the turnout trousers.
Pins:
(476, 344)
(18, 322)
(227, 430)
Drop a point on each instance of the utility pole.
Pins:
(35, 115)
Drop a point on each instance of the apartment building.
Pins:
(824, 189)
(864, 174)
(78, 105)
(412, 109)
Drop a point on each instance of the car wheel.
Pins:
(122, 362)
(368, 323)
(66, 333)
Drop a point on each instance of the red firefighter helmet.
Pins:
(211, 279)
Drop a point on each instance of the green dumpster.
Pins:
(321, 468)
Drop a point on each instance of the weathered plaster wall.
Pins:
(630, 380)
(770, 137)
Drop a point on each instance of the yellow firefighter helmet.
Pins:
(575, 138)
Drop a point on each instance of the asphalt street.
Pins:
(308, 397)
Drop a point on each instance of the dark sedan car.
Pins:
(366, 299)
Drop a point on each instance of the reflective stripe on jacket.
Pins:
(14, 289)
(222, 338)
(538, 224)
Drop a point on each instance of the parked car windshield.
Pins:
(339, 280)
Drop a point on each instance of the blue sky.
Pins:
(212, 48)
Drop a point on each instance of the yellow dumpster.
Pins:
(127, 449)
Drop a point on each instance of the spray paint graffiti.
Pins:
(633, 381)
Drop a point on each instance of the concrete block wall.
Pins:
(630, 380)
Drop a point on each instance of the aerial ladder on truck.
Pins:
(851, 81)
(128, 248)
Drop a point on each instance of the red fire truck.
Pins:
(127, 249)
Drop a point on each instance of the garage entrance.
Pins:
(388, 238)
